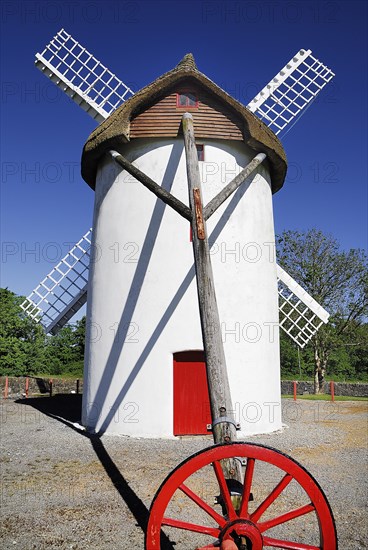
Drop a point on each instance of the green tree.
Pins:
(337, 279)
(21, 338)
(25, 349)
(288, 356)
(65, 351)
(358, 351)
(295, 362)
(80, 335)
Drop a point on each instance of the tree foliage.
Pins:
(64, 352)
(26, 350)
(338, 280)
(21, 338)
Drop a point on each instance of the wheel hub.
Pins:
(243, 528)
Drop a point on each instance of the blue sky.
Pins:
(240, 45)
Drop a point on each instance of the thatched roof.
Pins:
(114, 132)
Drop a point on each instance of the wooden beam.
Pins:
(217, 201)
(161, 193)
(223, 422)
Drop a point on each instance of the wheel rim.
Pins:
(245, 523)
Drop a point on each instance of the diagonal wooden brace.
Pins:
(219, 388)
(223, 423)
(161, 193)
(217, 201)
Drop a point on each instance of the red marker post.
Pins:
(332, 390)
(295, 388)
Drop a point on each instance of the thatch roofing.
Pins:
(114, 131)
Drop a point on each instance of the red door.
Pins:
(191, 400)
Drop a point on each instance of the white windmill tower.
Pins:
(144, 308)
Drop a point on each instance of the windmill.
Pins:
(99, 92)
(64, 290)
(144, 135)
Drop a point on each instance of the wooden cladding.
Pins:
(211, 120)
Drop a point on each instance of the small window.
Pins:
(186, 99)
(200, 151)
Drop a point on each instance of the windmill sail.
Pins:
(300, 316)
(63, 291)
(82, 77)
(285, 97)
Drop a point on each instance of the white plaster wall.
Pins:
(142, 301)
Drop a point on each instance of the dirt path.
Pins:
(64, 490)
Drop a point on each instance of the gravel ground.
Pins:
(62, 489)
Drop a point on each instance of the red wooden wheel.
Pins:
(289, 509)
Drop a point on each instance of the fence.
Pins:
(31, 386)
(351, 389)
(27, 386)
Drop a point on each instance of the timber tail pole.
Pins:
(244, 515)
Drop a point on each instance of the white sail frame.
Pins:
(63, 291)
(300, 315)
(285, 97)
(82, 77)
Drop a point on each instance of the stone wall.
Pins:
(19, 387)
(359, 389)
(41, 386)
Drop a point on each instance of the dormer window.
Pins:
(186, 99)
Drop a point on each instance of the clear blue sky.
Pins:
(240, 45)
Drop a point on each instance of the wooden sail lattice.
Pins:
(300, 316)
(82, 77)
(63, 291)
(283, 100)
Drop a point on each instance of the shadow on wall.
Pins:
(43, 385)
(140, 273)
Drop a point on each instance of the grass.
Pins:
(325, 397)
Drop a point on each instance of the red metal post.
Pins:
(6, 389)
(332, 390)
(27, 386)
(295, 387)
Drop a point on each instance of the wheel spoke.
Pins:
(217, 524)
(202, 504)
(271, 498)
(264, 526)
(212, 531)
(248, 478)
(288, 545)
(224, 490)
